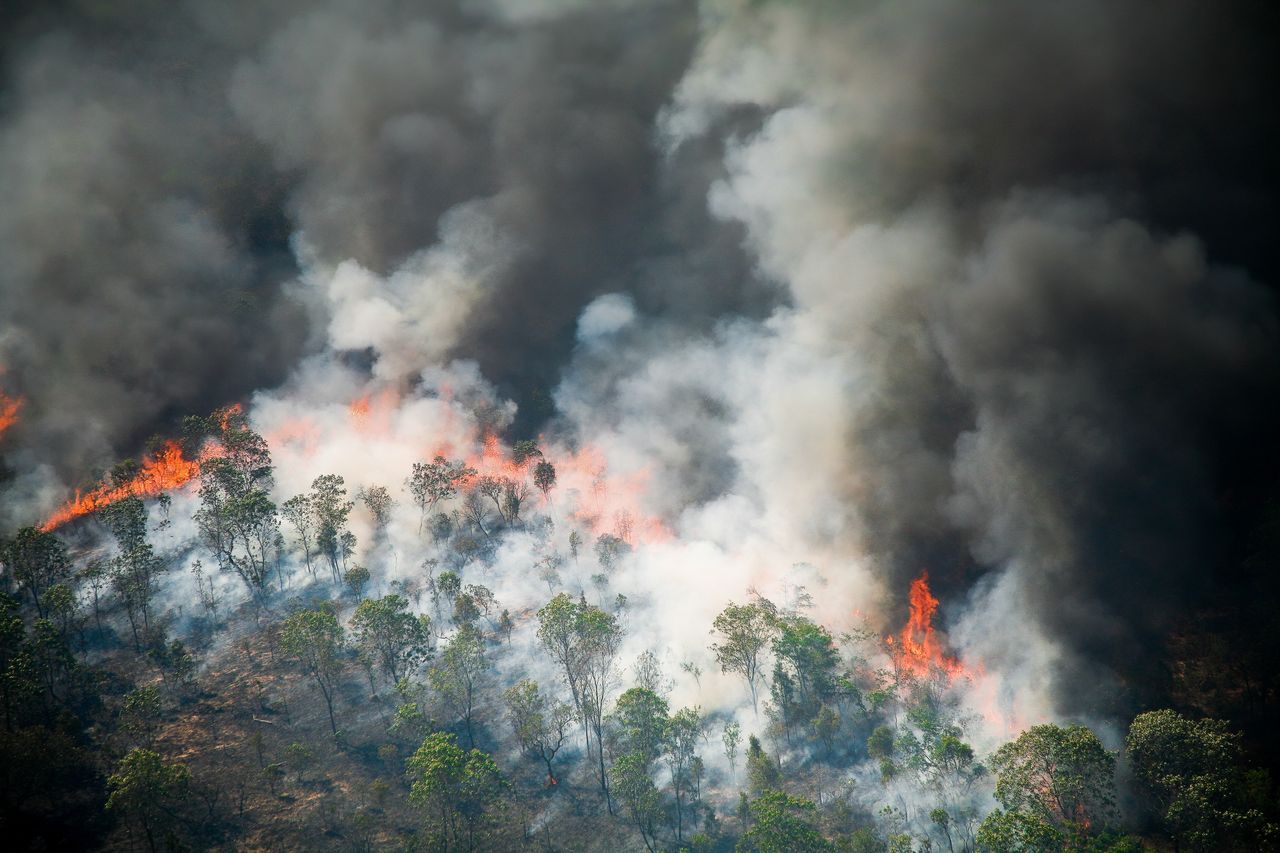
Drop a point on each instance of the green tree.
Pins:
(37, 560)
(332, 509)
(379, 502)
(316, 640)
(638, 796)
(300, 513)
(1052, 781)
(457, 674)
(356, 579)
(638, 724)
(145, 791)
(1191, 775)
(540, 723)
(393, 638)
(732, 737)
(762, 773)
(436, 481)
(237, 519)
(683, 731)
(745, 631)
(458, 792)
(584, 640)
(544, 478)
(804, 670)
(781, 822)
(140, 713)
(135, 568)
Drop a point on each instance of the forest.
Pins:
(639, 426)
(322, 704)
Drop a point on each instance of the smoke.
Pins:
(818, 294)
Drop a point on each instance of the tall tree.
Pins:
(237, 519)
(436, 481)
(745, 631)
(638, 724)
(318, 643)
(779, 822)
(332, 509)
(37, 561)
(544, 478)
(395, 640)
(134, 569)
(300, 513)
(683, 731)
(1053, 782)
(457, 790)
(539, 722)
(145, 789)
(638, 796)
(584, 640)
(1191, 774)
(458, 673)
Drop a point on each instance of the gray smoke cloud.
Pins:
(876, 287)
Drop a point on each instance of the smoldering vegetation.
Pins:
(798, 301)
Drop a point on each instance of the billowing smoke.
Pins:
(835, 293)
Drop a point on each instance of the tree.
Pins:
(300, 513)
(540, 723)
(609, 550)
(332, 509)
(745, 632)
(393, 638)
(762, 773)
(638, 795)
(237, 519)
(732, 737)
(456, 677)
(584, 640)
(779, 822)
(457, 790)
(316, 640)
(37, 560)
(515, 494)
(804, 670)
(1190, 773)
(544, 478)
(140, 713)
(525, 450)
(144, 789)
(683, 731)
(1052, 781)
(380, 503)
(638, 724)
(134, 569)
(436, 481)
(356, 579)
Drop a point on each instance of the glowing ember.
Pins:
(9, 407)
(161, 473)
(917, 649)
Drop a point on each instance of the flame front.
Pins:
(917, 649)
(9, 407)
(167, 470)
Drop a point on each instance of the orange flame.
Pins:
(917, 649)
(9, 407)
(161, 473)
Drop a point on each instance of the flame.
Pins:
(9, 407)
(917, 649)
(167, 470)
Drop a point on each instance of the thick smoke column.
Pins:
(870, 288)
